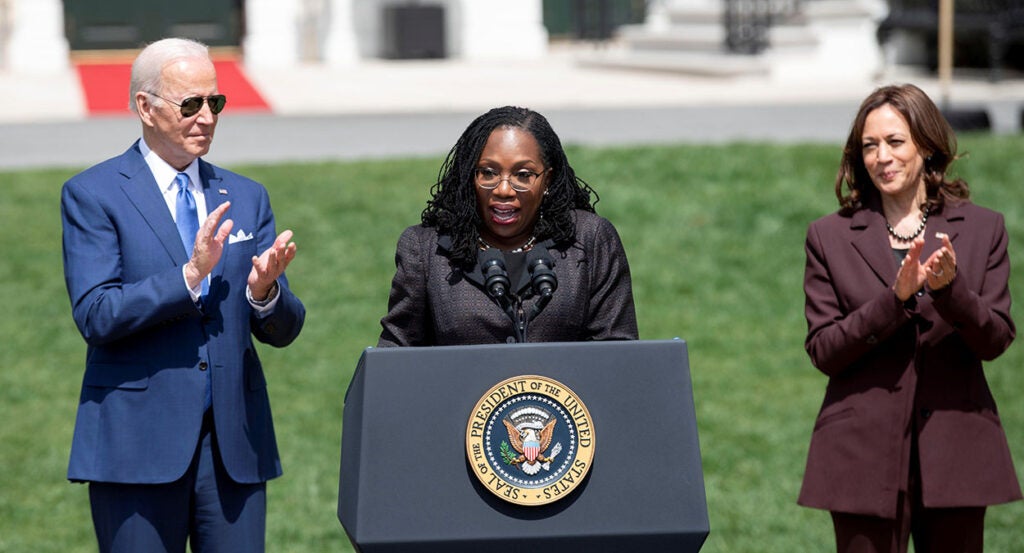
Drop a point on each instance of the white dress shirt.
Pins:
(165, 176)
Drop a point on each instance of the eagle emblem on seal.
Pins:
(530, 431)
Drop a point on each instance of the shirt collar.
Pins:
(164, 174)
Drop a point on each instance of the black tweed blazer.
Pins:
(432, 303)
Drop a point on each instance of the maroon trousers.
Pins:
(934, 530)
(958, 530)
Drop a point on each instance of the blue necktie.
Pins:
(187, 219)
(186, 216)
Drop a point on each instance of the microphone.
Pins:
(496, 280)
(542, 277)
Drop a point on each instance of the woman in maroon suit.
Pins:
(906, 295)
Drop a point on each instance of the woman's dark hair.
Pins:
(931, 134)
(452, 209)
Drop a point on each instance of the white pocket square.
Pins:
(239, 236)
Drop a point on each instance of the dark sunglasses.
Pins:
(191, 106)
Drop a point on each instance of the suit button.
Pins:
(269, 328)
(510, 340)
(202, 365)
(872, 339)
(925, 412)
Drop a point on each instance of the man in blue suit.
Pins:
(174, 432)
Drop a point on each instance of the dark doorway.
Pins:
(131, 24)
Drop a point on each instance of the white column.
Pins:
(37, 43)
(272, 33)
(500, 29)
(846, 46)
(340, 45)
(658, 18)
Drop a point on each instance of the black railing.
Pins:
(748, 22)
(746, 25)
(996, 23)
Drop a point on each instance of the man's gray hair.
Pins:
(148, 66)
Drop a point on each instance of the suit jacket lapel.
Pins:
(868, 227)
(214, 189)
(144, 193)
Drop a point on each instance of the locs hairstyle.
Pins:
(931, 134)
(452, 207)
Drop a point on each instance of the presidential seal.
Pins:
(530, 440)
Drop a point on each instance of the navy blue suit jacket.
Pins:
(150, 345)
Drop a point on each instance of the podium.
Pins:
(406, 484)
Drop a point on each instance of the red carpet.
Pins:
(105, 86)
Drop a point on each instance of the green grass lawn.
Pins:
(714, 236)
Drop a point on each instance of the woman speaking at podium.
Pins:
(906, 295)
(509, 248)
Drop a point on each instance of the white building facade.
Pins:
(288, 32)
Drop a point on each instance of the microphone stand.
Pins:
(497, 284)
(543, 280)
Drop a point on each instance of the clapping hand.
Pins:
(912, 275)
(208, 247)
(270, 265)
(937, 271)
(941, 265)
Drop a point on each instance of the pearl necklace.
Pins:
(903, 238)
(525, 247)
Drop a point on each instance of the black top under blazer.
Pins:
(432, 303)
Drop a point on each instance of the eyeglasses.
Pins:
(522, 180)
(191, 105)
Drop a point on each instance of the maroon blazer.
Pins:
(903, 370)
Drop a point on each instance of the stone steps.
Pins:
(691, 38)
